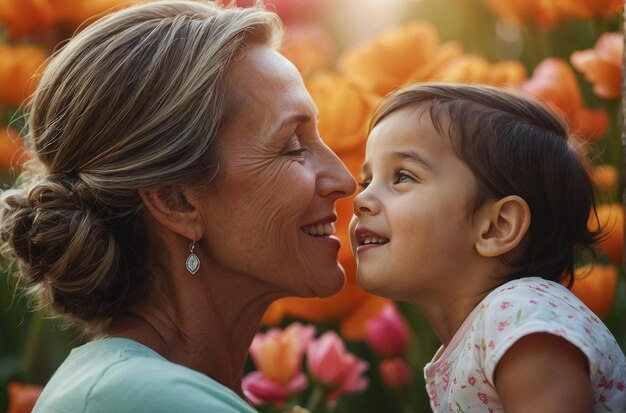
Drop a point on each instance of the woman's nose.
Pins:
(335, 181)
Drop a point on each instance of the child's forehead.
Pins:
(406, 130)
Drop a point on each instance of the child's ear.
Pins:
(503, 227)
(170, 206)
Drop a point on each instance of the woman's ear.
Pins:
(169, 206)
(504, 227)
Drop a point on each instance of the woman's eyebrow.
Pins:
(294, 118)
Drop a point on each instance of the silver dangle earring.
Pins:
(193, 262)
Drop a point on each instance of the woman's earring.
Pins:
(193, 262)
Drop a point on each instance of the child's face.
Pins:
(411, 233)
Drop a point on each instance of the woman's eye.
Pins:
(402, 176)
(297, 152)
(294, 147)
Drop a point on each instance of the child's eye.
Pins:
(364, 184)
(402, 176)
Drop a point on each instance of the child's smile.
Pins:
(367, 239)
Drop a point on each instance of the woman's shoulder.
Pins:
(124, 376)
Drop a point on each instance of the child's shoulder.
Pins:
(534, 301)
(534, 305)
(534, 291)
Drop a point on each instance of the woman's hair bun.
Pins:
(63, 249)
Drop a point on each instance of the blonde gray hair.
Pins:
(135, 100)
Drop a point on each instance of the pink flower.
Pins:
(260, 390)
(292, 11)
(554, 82)
(278, 356)
(330, 364)
(395, 373)
(471, 380)
(387, 332)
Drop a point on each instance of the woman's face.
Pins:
(271, 215)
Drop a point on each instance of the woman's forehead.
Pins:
(272, 91)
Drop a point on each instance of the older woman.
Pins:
(179, 187)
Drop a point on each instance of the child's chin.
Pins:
(373, 284)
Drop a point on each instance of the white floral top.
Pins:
(460, 377)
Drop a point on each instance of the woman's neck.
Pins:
(205, 322)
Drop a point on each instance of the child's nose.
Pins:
(365, 204)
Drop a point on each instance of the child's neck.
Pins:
(446, 314)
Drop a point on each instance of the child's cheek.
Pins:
(353, 243)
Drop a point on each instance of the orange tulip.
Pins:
(278, 353)
(27, 16)
(353, 326)
(12, 152)
(274, 314)
(344, 111)
(463, 69)
(330, 309)
(587, 9)
(19, 69)
(310, 48)
(408, 53)
(604, 177)
(611, 219)
(79, 11)
(22, 397)
(506, 73)
(476, 69)
(602, 65)
(541, 12)
(595, 286)
(554, 82)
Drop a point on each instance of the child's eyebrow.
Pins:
(414, 156)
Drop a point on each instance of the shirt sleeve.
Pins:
(530, 309)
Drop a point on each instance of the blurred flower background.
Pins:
(354, 351)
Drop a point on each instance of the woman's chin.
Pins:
(331, 284)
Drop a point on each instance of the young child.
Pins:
(473, 208)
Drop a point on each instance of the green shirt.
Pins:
(120, 375)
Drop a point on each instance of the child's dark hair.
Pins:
(515, 146)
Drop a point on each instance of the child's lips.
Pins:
(366, 247)
(368, 239)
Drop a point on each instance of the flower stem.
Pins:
(31, 350)
(315, 399)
